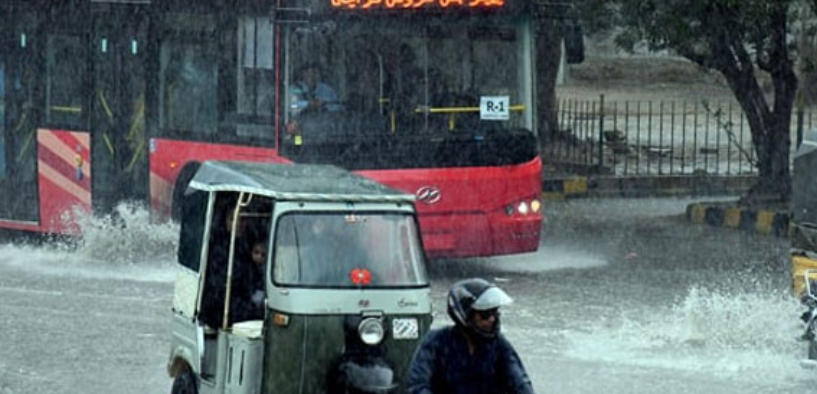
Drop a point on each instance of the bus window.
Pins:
(65, 63)
(485, 64)
(2, 120)
(414, 72)
(216, 77)
(255, 88)
(409, 96)
(255, 74)
(188, 73)
(189, 89)
(21, 83)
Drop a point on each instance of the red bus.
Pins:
(110, 101)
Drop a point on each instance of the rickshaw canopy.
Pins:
(293, 182)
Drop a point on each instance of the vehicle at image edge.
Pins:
(346, 293)
(803, 233)
(103, 102)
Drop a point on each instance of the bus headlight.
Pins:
(535, 205)
(371, 331)
(524, 208)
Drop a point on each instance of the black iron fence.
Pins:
(659, 138)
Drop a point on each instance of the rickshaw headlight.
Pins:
(371, 331)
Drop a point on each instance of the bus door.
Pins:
(18, 118)
(119, 47)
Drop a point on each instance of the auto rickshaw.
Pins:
(295, 279)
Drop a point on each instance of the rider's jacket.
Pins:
(443, 365)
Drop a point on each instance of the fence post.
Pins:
(601, 133)
(800, 105)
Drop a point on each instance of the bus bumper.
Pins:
(476, 235)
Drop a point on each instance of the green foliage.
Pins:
(734, 37)
(598, 16)
(686, 26)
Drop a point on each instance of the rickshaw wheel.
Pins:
(185, 383)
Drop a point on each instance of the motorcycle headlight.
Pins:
(371, 331)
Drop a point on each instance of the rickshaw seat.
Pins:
(251, 329)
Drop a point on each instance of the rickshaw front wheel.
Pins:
(185, 383)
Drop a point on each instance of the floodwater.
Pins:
(623, 297)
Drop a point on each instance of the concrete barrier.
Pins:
(554, 189)
(726, 215)
(759, 220)
(673, 185)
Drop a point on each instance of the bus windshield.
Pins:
(393, 94)
(348, 250)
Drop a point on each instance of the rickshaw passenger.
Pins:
(247, 298)
(212, 308)
(259, 260)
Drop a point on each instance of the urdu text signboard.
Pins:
(417, 4)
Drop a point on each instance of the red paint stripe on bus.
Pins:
(77, 141)
(66, 170)
(67, 186)
(55, 142)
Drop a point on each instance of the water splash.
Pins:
(123, 244)
(126, 237)
(742, 334)
(550, 258)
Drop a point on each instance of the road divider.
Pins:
(558, 189)
(759, 220)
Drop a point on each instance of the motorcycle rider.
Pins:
(471, 357)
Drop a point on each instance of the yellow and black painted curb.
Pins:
(763, 221)
(558, 189)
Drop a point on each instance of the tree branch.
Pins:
(765, 65)
(689, 53)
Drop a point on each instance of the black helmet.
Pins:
(475, 294)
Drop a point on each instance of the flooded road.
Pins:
(627, 297)
(624, 297)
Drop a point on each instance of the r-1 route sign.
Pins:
(494, 107)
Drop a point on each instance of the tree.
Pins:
(548, 56)
(556, 24)
(736, 38)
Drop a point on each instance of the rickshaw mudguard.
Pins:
(184, 344)
(179, 356)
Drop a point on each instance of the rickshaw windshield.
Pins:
(348, 250)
